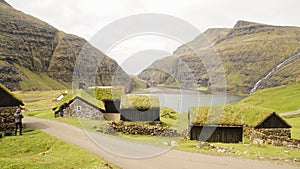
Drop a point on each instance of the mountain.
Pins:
(36, 56)
(248, 52)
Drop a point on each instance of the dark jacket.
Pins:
(18, 116)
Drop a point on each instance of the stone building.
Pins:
(8, 106)
(81, 108)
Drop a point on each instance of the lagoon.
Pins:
(181, 100)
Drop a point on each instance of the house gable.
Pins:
(8, 99)
(273, 121)
(80, 108)
(88, 103)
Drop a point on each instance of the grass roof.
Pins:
(8, 98)
(233, 114)
(107, 93)
(84, 95)
(141, 102)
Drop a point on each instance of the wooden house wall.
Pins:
(139, 115)
(217, 134)
(112, 106)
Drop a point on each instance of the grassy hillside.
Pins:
(40, 150)
(36, 56)
(282, 99)
(248, 52)
(41, 82)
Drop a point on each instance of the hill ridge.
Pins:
(248, 52)
(40, 48)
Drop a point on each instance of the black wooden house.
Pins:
(228, 128)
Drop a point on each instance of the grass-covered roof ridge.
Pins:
(233, 114)
(107, 93)
(84, 95)
(7, 94)
(141, 102)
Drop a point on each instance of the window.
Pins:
(78, 108)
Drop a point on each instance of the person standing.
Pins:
(18, 120)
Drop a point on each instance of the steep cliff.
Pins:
(36, 56)
(248, 52)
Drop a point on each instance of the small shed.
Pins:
(273, 121)
(227, 126)
(81, 108)
(140, 108)
(8, 106)
(273, 126)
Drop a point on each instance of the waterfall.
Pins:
(273, 70)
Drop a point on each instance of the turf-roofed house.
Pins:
(81, 107)
(140, 108)
(209, 125)
(8, 106)
(110, 96)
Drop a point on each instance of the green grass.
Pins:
(294, 121)
(41, 81)
(253, 151)
(102, 93)
(39, 150)
(35, 100)
(282, 99)
(232, 114)
(139, 102)
(179, 121)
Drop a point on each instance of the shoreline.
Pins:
(170, 90)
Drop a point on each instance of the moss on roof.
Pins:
(107, 93)
(141, 102)
(233, 114)
(84, 95)
(8, 98)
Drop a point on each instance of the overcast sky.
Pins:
(85, 17)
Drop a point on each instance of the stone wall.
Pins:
(7, 120)
(154, 129)
(80, 109)
(273, 136)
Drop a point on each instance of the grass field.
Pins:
(36, 149)
(281, 99)
(38, 100)
(169, 117)
(294, 121)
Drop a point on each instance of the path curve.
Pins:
(290, 113)
(172, 159)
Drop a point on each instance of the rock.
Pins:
(284, 143)
(165, 143)
(296, 160)
(202, 145)
(275, 158)
(173, 144)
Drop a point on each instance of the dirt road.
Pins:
(171, 159)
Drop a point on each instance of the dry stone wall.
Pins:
(132, 128)
(7, 121)
(273, 136)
